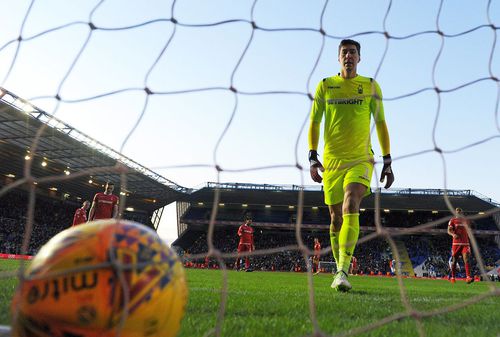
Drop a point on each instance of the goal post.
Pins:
(328, 266)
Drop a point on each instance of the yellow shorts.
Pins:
(338, 175)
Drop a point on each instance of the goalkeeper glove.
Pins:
(387, 171)
(315, 166)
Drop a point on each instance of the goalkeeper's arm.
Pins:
(314, 164)
(385, 145)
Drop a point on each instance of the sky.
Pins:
(194, 122)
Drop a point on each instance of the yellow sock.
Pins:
(334, 241)
(348, 237)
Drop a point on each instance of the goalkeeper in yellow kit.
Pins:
(347, 101)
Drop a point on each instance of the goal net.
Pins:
(221, 91)
(327, 267)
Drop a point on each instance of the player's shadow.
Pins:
(358, 292)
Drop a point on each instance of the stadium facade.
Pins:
(66, 164)
(277, 207)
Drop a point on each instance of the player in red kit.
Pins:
(105, 205)
(245, 232)
(353, 270)
(316, 256)
(81, 214)
(457, 228)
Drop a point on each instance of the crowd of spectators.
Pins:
(437, 261)
(51, 216)
(374, 256)
(226, 241)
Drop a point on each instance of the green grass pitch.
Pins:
(276, 304)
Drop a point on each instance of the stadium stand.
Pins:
(274, 218)
(64, 153)
(67, 151)
(273, 229)
(50, 217)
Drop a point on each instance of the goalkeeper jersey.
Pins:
(347, 106)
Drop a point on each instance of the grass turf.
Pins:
(276, 304)
(7, 288)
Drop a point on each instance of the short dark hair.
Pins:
(110, 183)
(349, 41)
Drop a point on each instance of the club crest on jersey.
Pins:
(360, 89)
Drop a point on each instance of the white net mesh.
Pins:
(203, 80)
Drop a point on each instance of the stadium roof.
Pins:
(64, 148)
(394, 199)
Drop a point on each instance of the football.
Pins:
(104, 278)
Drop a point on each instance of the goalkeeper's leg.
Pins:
(348, 236)
(347, 240)
(335, 225)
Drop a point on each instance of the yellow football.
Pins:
(104, 278)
